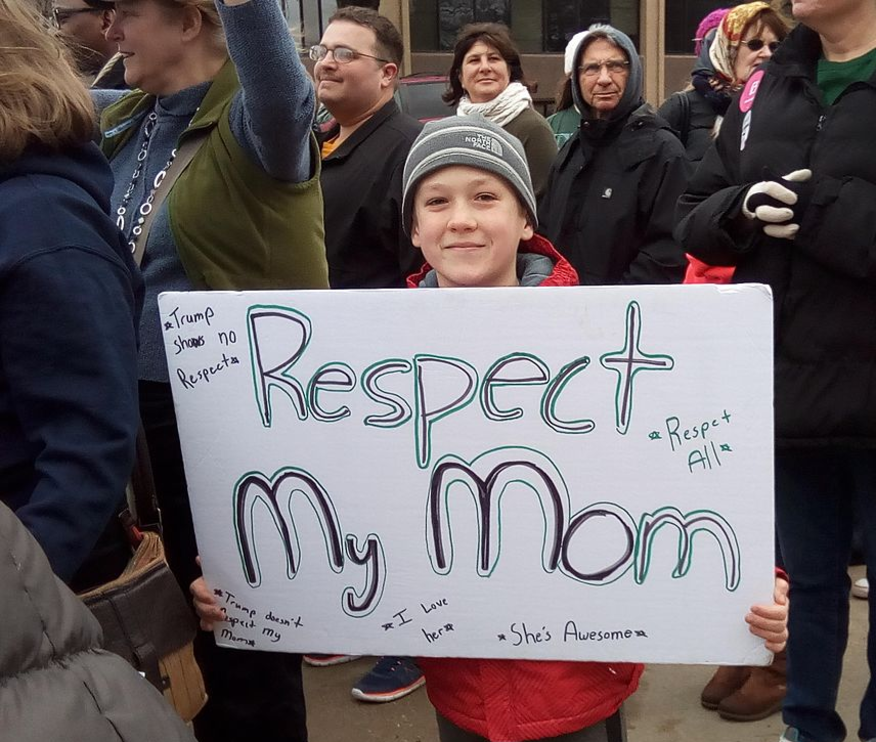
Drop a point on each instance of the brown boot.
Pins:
(761, 696)
(725, 682)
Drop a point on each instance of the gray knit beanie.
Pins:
(471, 141)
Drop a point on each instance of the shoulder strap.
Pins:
(141, 495)
(142, 500)
(186, 152)
(684, 123)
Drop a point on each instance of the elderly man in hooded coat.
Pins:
(611, 195)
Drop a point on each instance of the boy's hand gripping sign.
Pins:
(577, 473)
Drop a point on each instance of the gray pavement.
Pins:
(665, 709)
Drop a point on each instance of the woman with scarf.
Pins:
(746, 37)
(728, 53)
(486, 78)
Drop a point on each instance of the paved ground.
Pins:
(666, 708)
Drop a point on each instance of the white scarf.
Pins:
(505, 107)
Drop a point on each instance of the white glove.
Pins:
(769, 201)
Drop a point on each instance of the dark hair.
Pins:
(372, 4)
(388, 41)
(496, 35)
(563, 98)
(100, 4)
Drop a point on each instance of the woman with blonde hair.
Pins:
(69, 299)
(216, 188)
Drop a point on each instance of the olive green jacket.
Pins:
(235, 227)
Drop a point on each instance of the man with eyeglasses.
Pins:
(611, 193)
(83, 24)
(356, 72)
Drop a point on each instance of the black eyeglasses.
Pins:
(61, 15)
(756, 45)
(342, 54)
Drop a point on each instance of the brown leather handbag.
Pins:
(144, 614)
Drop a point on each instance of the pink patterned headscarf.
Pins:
(725, 47)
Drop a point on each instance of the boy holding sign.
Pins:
(469, 205)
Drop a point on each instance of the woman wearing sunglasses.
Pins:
(745, 39)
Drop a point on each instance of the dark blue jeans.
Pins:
(821, 493)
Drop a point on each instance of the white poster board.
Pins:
(580, 473)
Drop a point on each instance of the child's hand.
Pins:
(770, 622)
(208, 611)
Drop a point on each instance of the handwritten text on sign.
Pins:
(580, 473)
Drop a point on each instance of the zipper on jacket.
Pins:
(821, 119)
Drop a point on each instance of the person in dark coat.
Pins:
(70, 298)
(56, 683)
(611, 192)
(787, 197)
(363, 151)
(746, 38)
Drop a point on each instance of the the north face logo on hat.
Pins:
(485, 142)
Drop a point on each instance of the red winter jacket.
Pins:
(515, 700)
(563, 275)
(700, 272)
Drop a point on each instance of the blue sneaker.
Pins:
(391, 678)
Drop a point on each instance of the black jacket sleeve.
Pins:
(660, 259)
(710, 225)
(409, 257)
(69, 355)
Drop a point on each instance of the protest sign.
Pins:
(581, 473)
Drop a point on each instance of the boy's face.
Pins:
(468, 223)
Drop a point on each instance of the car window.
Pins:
(423, 100)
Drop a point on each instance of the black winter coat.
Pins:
(824, 281)
(361, 181)
(611, 200)
(701, 123)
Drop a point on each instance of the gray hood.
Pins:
(633, 95)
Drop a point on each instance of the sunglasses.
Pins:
(756, 45)
(61, 15)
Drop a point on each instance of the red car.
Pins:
(420, 96)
